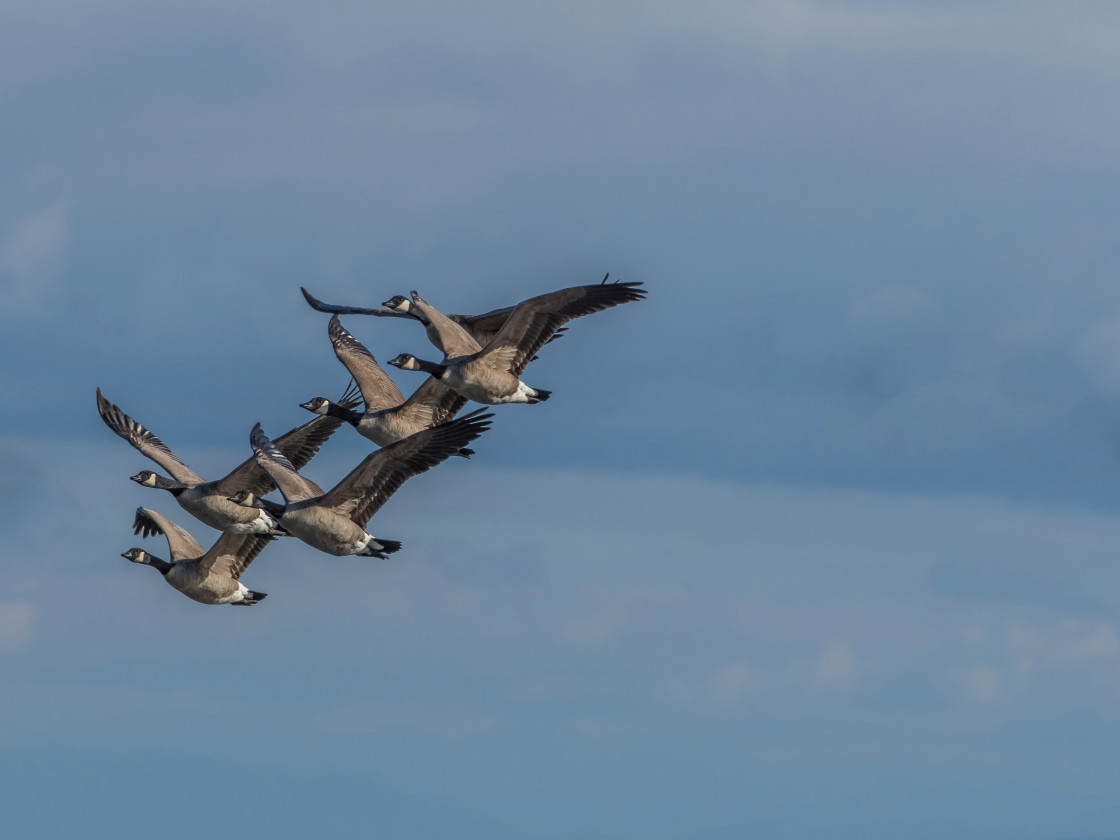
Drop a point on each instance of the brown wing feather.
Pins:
(485, 326)
(378, 390)
(182, 545)
(232, 554)
(145, 442)
(298, 446)
(455, 338)
(432, 403)
(536, 321)
(362, 493)
(293, 486)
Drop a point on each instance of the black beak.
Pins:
(306, 405)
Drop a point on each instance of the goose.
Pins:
(481, 327)
(388, 417)
(491, 374)
(335, 522)
(209, 577)
(208, 500)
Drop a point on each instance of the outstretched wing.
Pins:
(298, 446)
(362, 493)
(431, 404)
(332, 308)
(232, 554)
(292, 485)
(145, 442)
(537, 320)
(182, 545)
(378, 391)
(484, 327)
(481, 327)
(454, 338)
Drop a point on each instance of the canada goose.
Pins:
(209, 577)
(388, 417)
(336, 521)
(491, 375)
(481, 327)
(208, 500)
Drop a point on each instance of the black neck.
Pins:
(350, 416)
(431, 367)
(270, 507)
(176, 487)
(163, 566)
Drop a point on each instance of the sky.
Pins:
(816, 541)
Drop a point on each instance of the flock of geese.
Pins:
(483, 359)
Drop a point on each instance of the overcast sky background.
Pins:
(818, 541)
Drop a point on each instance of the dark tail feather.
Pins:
(388, 546)
(251, 598)
(540, 396)
(465, 453)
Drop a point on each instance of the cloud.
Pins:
(982, 683)
(1027, 658)
(733, 683)
(837, 666)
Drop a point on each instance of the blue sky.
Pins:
(817, 541)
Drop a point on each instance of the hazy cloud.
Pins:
(832, 510)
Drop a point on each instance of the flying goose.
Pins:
(388, 417)
(491, 374)
(481, 327)
(209, 577)
(336, 521)
(209, 500)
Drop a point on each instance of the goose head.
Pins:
(147, 478)
(245, 499)
(405, 361)
(138, 555)
(399, 304)
(319, 405)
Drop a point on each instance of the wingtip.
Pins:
(312, 301)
